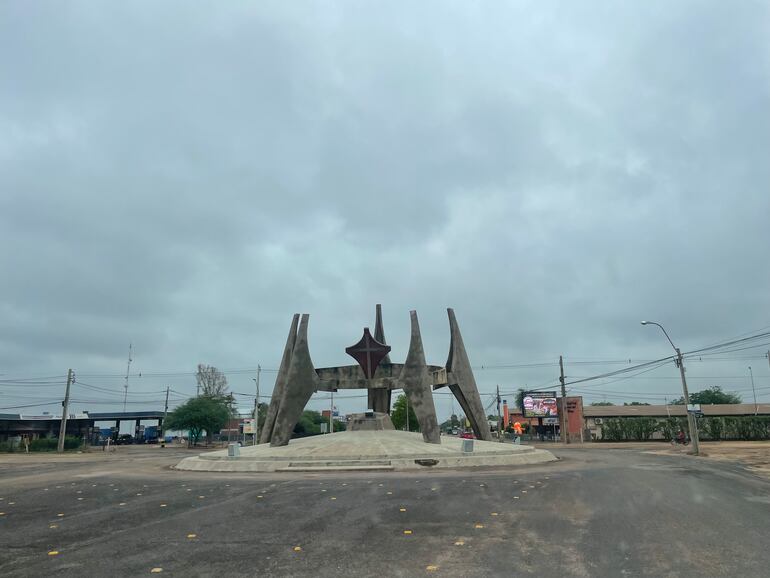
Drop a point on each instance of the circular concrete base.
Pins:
(366, 450)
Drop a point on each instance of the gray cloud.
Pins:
(186, 178)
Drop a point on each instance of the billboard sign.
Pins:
(539, 404)
(248, 426)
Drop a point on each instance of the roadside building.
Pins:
(14, 426)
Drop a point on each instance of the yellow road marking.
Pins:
(297, 549)
(478, 526)
(53, 553)
(192, 536)
(402, 509)
(156, 570)
(431, 568)
(53, 526)
(407, 531)
(333, 498)
(493, 514)
(459, 543)
(60, 515)
(163, 505)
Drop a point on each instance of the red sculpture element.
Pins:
(368, 353)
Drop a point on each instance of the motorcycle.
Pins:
(676, 441)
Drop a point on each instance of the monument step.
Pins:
(322, 465)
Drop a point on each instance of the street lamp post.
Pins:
(691, 421)
(754, 391)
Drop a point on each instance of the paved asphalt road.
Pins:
(597, 512)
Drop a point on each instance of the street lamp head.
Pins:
(644, 322)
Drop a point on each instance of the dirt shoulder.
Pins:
(753, 455)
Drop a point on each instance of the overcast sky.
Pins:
(186, 176)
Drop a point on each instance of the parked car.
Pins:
(467, 435)
(125, 439)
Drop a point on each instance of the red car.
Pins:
(467, 435)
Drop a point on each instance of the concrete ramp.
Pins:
(366, 450)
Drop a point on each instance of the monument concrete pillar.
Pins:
(280, 382)
(379, 399)
(301, 382)
(463, 384)
(417, 385)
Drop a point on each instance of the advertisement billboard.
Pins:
(248, 426)
(539, 404)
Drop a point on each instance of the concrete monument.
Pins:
(298, 379)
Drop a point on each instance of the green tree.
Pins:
(634, 403)
(452, 422)
(709, 396)
(198, 415)
(310, 421)
(398, 415)
(601, 403)
(309, 424)
(519, 400)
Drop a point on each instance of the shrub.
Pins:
(52, 444)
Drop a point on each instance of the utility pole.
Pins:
(499, 419)
(691, 421)
(163, 429)
(65, 408)
(407, 412)
(678, 361)
(564, 421)
(331, 413)
(756, 407)
(256, 408)
(125, 385)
